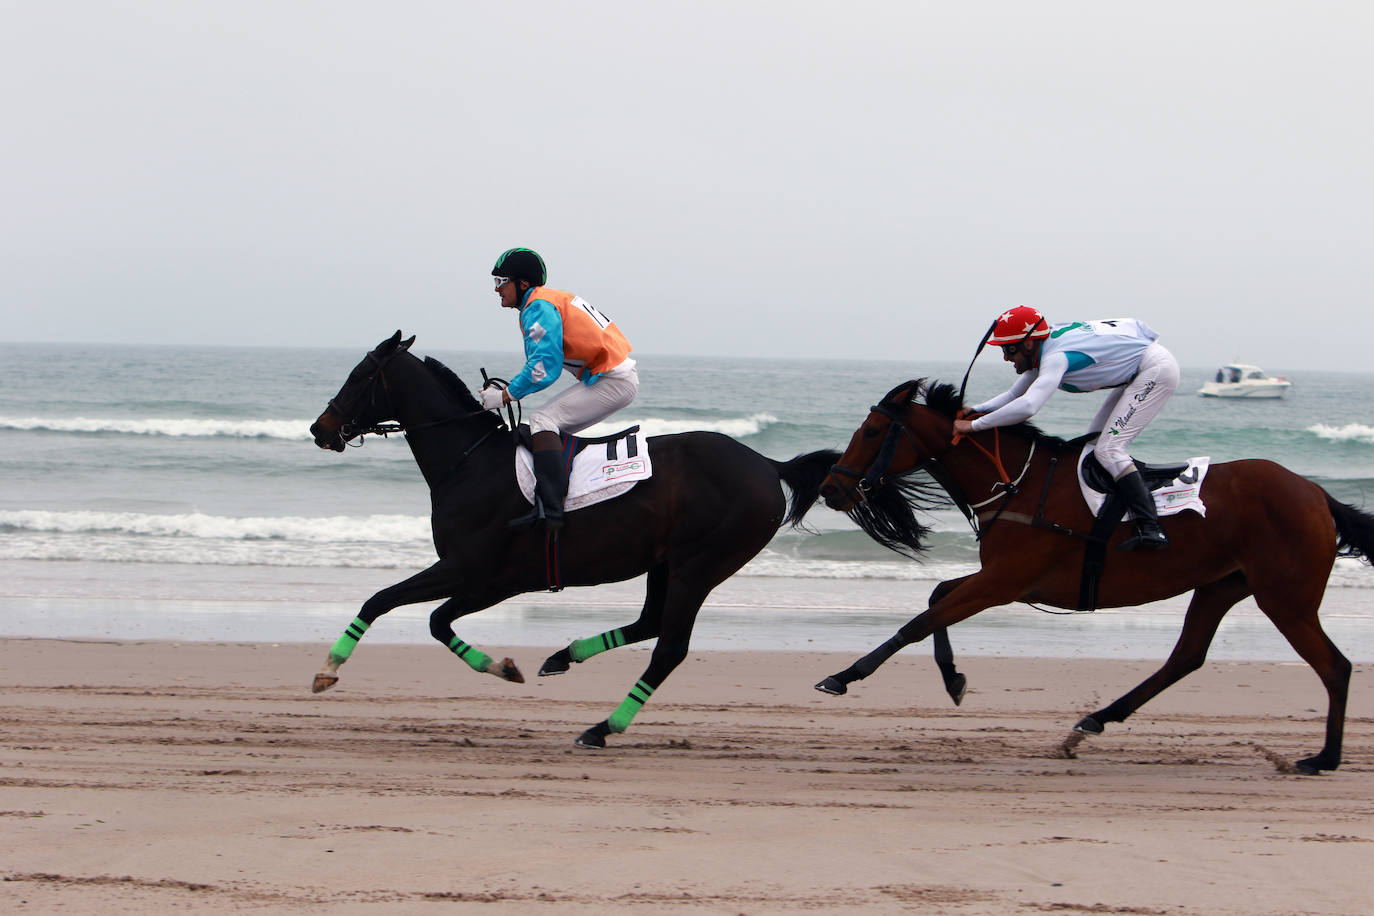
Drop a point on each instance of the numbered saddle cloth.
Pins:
(601, 468)
(1179, 489)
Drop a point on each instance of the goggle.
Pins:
(501, 281)
(1011, 349)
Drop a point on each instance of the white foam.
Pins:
(657, 426)
(1350, 432)
(387, 529)
(165, 426)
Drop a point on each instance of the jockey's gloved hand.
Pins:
(491, 397)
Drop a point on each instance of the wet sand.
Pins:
(138, 776)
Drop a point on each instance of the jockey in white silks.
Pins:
(1121, 354)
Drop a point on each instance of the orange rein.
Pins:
(1008, 486)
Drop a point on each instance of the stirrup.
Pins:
(535, 516)
(532, 517)
(1145, 540)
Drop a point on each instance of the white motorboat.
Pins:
(1238, 380)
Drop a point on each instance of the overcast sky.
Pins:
(785, 179)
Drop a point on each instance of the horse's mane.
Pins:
(944, 398)
(888, 514)
(453, 383)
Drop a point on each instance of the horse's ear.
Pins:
(390, 342)
(405, 344)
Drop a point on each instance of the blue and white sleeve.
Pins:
(542, 327)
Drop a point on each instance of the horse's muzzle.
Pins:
(327, 433)
(837, 497)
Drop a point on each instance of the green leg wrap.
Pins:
(639, 695)
(343, 646)
(476, 658)
(583, 649)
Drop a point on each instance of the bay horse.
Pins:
(710, 506)
(1268, 533)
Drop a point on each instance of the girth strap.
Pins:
(553, 572)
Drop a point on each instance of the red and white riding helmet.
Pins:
(1018, 324)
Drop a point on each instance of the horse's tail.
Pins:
(1354, 529)
(803, 475)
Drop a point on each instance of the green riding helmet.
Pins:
(521, 264)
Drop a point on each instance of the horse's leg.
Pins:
(681, 603)
(441, 628)
(956, 685)
(646, 627)
(1205, 611)
(431, 584)
(1295, 615)
(962, 600)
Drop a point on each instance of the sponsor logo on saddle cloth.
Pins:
(600, 471)
(1183, 492)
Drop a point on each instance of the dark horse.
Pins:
(1267, 533)
(711, 505)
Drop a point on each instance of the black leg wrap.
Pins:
(835, 684)
(873, 660)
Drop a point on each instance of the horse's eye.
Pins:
(870, 433)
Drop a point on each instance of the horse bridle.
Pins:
(867, 481)
(350, 428)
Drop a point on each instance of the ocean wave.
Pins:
(1350, 432)
(737, 427)
(385, 529)
(298, 430)
(295, 430)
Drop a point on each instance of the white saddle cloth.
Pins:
(1183, 492)
(596, 475)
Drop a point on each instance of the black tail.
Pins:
(803, 475)
(1354, 529)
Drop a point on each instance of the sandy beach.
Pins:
(138, 776)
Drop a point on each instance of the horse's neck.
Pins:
(438, 430)
(981, 461)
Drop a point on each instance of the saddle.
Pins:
(598, 468)
(1175, 487)
(1095, 476)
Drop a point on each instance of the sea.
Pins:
(174, 493)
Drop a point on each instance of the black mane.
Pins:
(889, 513)
(453, 383)
(944, 398)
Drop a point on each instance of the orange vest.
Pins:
(592, 344)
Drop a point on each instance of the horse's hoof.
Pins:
(957, 687)
(1088, 726)
(833, 686)
(557, 663)
(323, 682)
(591, 739)
(1313, 766)
(506, 669)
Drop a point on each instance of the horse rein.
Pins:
(882, 461)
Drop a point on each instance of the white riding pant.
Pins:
(1123, 417)
(579, 406)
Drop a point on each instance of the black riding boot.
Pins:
(550, 488)
(1148, 534)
